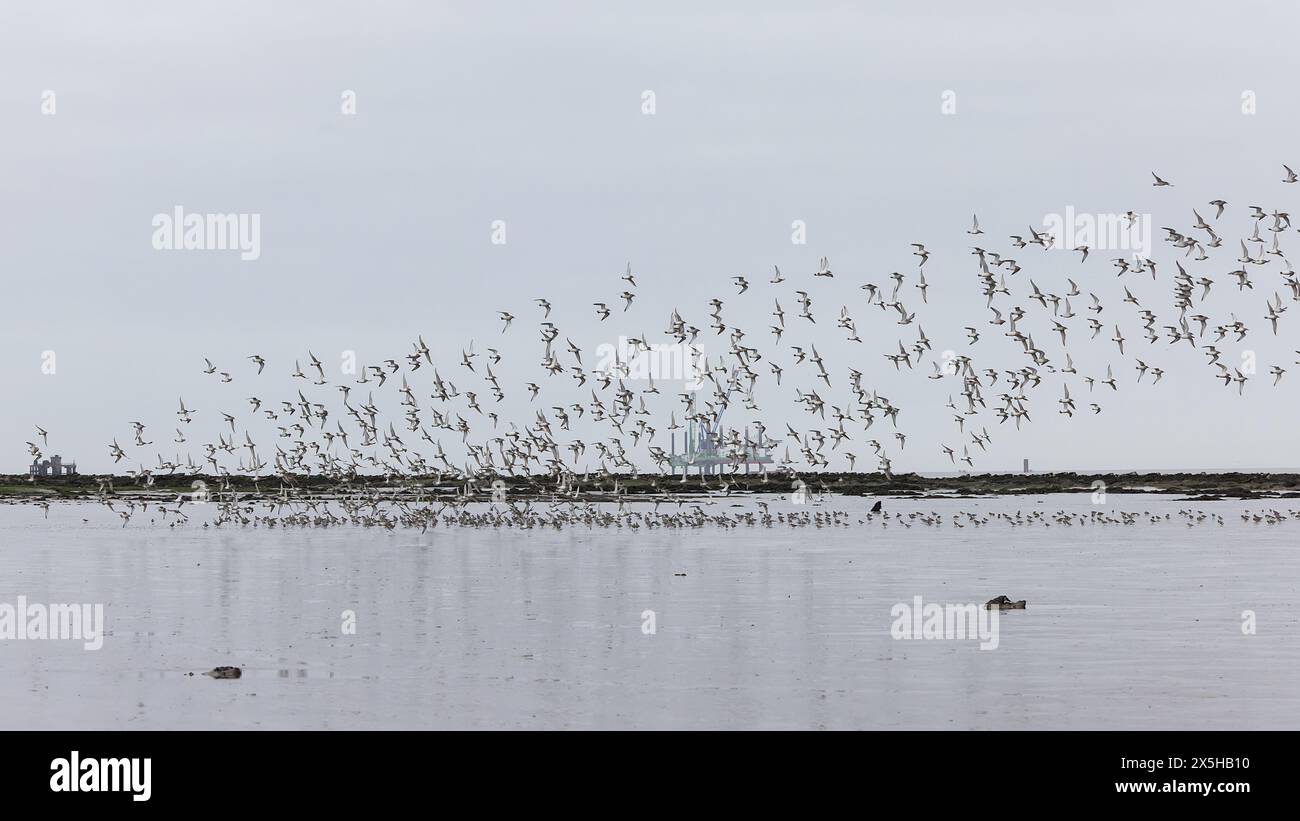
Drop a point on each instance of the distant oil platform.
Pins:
(707, 451)
(54, 466)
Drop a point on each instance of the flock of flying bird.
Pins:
(356, 443)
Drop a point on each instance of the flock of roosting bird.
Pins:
(378, 434)
(333, 510)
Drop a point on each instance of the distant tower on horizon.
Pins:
(1026, 466)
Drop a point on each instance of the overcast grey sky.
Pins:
(376, 227)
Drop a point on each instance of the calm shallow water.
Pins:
(1133, 626)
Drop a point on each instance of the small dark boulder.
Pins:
(876, 508)
(224, 672)
(1004, 603)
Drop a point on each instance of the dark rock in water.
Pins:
(1004, 603)
(224, 672)
(876, 508)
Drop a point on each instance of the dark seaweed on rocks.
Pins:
(1200, 486)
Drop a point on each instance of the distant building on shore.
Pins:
(1026, 466)
(54, 466)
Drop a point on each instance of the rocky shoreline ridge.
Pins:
(1193, 486)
